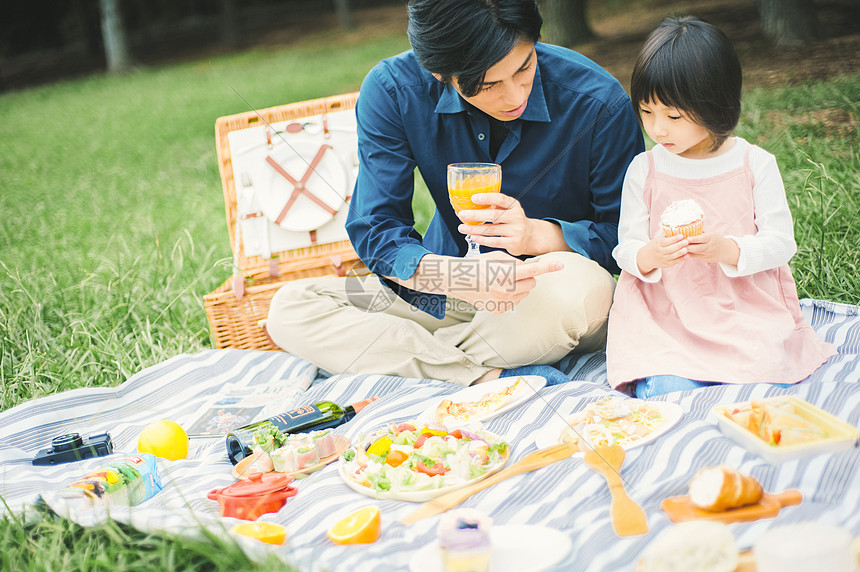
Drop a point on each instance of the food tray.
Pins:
(840, 435)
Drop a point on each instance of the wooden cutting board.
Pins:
(680, 509)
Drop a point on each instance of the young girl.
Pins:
(721, 306)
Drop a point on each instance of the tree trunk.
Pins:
(228, 26)
(564, 22)
(344, 14)
(114, 36)
(789, 22)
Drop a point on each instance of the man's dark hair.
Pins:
(465, 38)
(691, 65)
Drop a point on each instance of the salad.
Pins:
(412, 457)
(613, 421)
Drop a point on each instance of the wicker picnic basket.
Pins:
(238, 308)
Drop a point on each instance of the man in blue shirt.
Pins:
(476, 87)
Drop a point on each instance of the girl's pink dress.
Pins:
(698, 323)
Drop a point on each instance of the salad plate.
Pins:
(482, 402)
(613, 420)
(514, 548)
(416, 463)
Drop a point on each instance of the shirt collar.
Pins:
(536, 110)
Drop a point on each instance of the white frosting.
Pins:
(681, 212)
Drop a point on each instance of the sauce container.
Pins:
(258, 494)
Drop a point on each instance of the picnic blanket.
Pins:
(566, 496)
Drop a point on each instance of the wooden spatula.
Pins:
(531, 462)
(628, 518)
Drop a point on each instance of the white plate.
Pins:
(329, 183)
(534, 383)
(515, 548)
(418, 496)
(550, 433)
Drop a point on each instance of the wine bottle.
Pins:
(321, 415)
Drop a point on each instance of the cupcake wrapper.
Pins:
(688, 230)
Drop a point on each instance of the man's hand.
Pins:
(496, 282)
(509, 228)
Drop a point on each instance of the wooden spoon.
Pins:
(628, 518)
(531, 462)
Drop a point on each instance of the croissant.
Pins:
(722, 488)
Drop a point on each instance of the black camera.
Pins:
(72, 447)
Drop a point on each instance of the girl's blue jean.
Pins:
(661, 384)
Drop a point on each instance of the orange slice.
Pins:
(267, 532)
(361, 527)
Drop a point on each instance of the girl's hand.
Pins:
(508, 227)
(661, 252)
(711, 247)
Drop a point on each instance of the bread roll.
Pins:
(722, 488)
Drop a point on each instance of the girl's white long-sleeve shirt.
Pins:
(771, 246)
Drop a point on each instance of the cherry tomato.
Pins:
(436, 469)
(420, 440)
(404, 427)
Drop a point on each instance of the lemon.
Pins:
(268, 532)
(164, 439)
(361, 527)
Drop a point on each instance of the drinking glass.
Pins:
(467, 179)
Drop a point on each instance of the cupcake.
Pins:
(464, 539)
(683, 217)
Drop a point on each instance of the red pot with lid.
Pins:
(259, 494)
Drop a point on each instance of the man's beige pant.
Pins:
(357, 325)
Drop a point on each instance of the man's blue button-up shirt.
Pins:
(564, 159)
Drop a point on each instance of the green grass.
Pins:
(112, 228)
(53, 543)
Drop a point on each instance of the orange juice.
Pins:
(461, 196)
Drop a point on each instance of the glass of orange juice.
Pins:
(467, 179)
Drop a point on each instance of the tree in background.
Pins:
(789, 22)
(114, 36)
(564, 22)
(344, 14)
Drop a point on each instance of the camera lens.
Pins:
(66, 442)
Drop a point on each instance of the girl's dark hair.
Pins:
(465, 38)
(691, 65)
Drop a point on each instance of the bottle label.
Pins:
(296, 413)
(291, 419)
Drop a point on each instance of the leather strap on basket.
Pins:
(238, 285)
(299, 186)
(337, 264)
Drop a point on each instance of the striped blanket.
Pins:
(566, 496)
